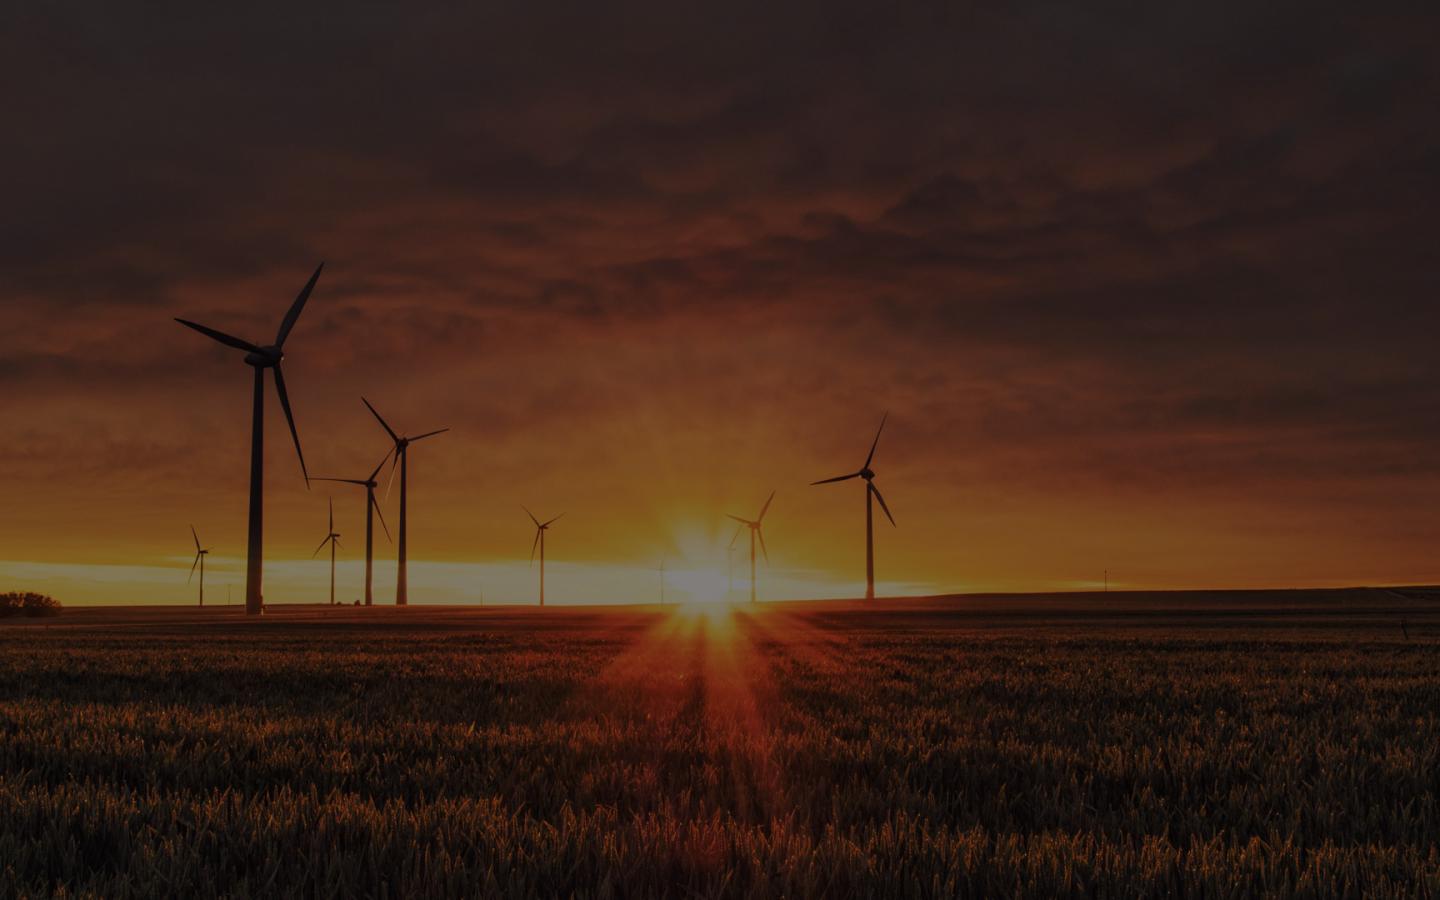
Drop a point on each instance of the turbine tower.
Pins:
(754, 526)
(333, 539)
(200, 554)
(870, 491)
(260, 359)
(372, 509)
(402, 444)
(540, 529)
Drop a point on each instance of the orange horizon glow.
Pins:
(646, 466)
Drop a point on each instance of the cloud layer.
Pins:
(1147, 285)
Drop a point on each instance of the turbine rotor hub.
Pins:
(867, 474)
(265, 358)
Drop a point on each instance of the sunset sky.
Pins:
(1145, 287)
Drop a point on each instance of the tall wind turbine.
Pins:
(333, 539)
(402, 444)
(262, 358)
(372, 509)
(870, 491)
(200, 554)
(754, 526)
(540, 529)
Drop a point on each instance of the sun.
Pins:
(698, 585)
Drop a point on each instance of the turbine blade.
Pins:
(290, 419)
(738, 519)
(382, 464)
(737, 536)
(299, 304)
(761, 534)
(393, 466)
(321, 547)
(196, 537)
(836, 478)
(877, 440)
(382, 518)
(220, 336)
(760, 518)
(553, 521)
(338, 544)
(876, 492)
(192, 567)
(341, 480)
(388, 430)
(531, 515)
(428, 434)
(533, 544)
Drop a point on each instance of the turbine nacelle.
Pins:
(867, 474)
(267, 357)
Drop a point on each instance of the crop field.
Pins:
(1215, 745)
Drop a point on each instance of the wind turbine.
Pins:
(262, 358)
(870, 491)
(540, 529)
(402, 444)
(333, 539)
(200, 554)
(754, 526)
(372, 509)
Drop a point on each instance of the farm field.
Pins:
(1121, 745)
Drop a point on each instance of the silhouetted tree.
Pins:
(28, 603)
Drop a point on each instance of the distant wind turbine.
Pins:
(540, 529)
(200, 554)
(402, 445)
(754, 526)
(333, 539)
(870, 491)
(262, 358)
(372, 509)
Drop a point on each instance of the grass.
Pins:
(1218, 746)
